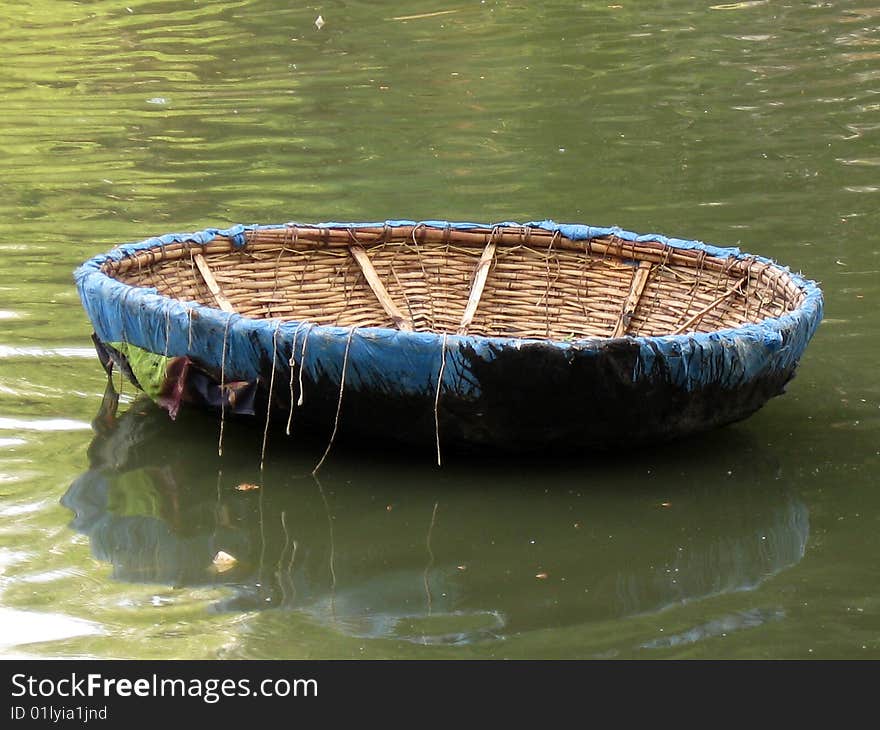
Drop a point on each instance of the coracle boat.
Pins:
(507, 335)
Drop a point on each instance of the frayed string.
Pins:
(338, 403)
(437, 398)
(271, 389)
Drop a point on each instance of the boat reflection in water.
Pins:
(466, 553)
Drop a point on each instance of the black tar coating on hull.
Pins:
(533, 398)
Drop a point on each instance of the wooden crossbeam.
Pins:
(639, 281)
(391, 309)
(212, 284)
(481, 273)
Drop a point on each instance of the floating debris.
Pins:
(224, 562)
(738, 6)
(246, 487)
(419, 16)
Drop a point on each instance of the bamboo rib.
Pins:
(693, 320)
(212, 284)
(640, 279)
(400, 321)
(480, 275)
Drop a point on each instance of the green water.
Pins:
(751, 123)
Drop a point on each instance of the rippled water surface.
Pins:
(750, 123)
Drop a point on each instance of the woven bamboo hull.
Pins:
(518, 337)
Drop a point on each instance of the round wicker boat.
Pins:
(507, 335)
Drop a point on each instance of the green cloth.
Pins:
(149, 368)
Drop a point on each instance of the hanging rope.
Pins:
(338, 402)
